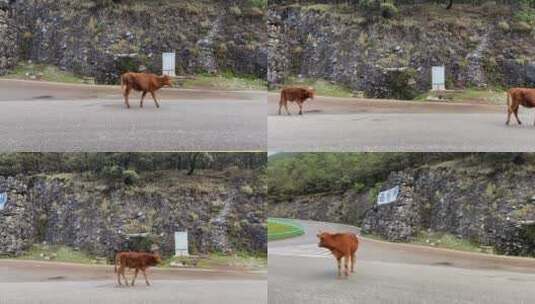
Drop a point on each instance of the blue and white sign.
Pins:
(388, 196)
(3, 200)
(439, 78)
(168, 64)
(181, 243)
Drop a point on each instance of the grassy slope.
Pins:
(225, 81)
(213, 261)
(43, 72)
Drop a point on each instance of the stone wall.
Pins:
(489, 206)
(8, 48)
(98, 216)
(480, 46)
(102, 42)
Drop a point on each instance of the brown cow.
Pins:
(297, 94)
(517, 97)
(144, 82)
(135, 260)
(341, 245)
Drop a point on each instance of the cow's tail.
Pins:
(509, 98)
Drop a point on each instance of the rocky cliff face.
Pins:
(490, 206)
(99, 217)
(479, 46)
(8, 35)
(344, 207)
(102, 42)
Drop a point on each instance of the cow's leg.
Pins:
(145, 275)
(339, 260)
(135, 277)
(286, 107)
(155, 100)
(346, 265)
(300, 107)
(126, 92)
(280, 107)
(119, 278)
(509, 112)
(353, 260)
(122, 270)
(142, 96)
(515, 111)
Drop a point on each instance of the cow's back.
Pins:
(139, 81)
(133, 260)
(526, 96)
(346, 242)
(295, 93)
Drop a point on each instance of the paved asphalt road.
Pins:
(300, 272)
(331, 124)
(51, 283)
(50, 117)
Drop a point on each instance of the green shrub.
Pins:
(522, 27)
(368, 4)
(235, 10)
(374, 192)
(130, 177)
(111, 172)
(246, 189)
(262, 4)
(359, 187)
(504, 26)
(389, 10)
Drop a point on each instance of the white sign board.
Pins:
(181, 243)
(168, 64)
(388, 196)
(3, 200)
(439, 78)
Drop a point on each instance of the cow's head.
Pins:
(310, 93)
(324, 238)
(156, 259)
(166, 80)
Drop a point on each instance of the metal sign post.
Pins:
(181, 243)
(168, 64)
(388, 196)
(439, 78)
(3, 200)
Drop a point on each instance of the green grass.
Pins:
(46, 72)
(445, 240)
(239, 261)
(225, 82)
(322, 87)
(437, 240)
(57, 254)
(471, 95)
(282, 229)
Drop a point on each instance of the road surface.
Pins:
(300, 272)
(349, 125)
(26, 282)
(51, 117)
